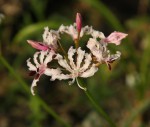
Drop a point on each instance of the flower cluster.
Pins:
(76, 62)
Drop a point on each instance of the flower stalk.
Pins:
(99, 109)
(78, 27)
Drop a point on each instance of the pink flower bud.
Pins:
(115, 37)
(78, 22)
(37, 45)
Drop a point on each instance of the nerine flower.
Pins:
(78, 64)
(73, 32)
(50, 39)
(100, 51)
(41, 59)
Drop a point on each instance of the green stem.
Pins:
(62, 49)
(99, 109)
(76, 41)
(27, 89)
(97, 106)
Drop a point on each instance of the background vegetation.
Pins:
(124, 92)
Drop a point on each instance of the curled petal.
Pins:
(50, 38)
(90, 72)
(61, 77)
(113, 57)
(87, 62)
(42, 55)
(95, 48)
(62, 28)
(52, 72)
(71, 52)
(71, 30)
(62, 62)
(35, 59)
(47, 36)
(96, 34)
(86, 30)
(31, 66)
(49, 57)
(80, 56)
(34, 83)
(37, 45)
(115, 37)
(56, 74)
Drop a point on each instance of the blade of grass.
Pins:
(97, 107)
(32, 29)
(145, 63)
(27, 89)
(135, 112)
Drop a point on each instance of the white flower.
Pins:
(41, 59)
(78, 64)
(73, 32)
(50, 37)
(100, 51)
(96, 34)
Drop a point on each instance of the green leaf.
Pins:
(33, 29)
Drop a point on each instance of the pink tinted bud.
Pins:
(115, 37)
(37, 45)
(78, 22)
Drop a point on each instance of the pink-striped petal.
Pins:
(37, 45)
(115, 37)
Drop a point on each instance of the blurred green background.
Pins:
(124, 92)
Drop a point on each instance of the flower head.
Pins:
(73, 32)
(100, 51)
(41, 59)
(81, 66)
(77, 62)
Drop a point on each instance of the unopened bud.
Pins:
(78, 22)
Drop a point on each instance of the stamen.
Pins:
(80, 85)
